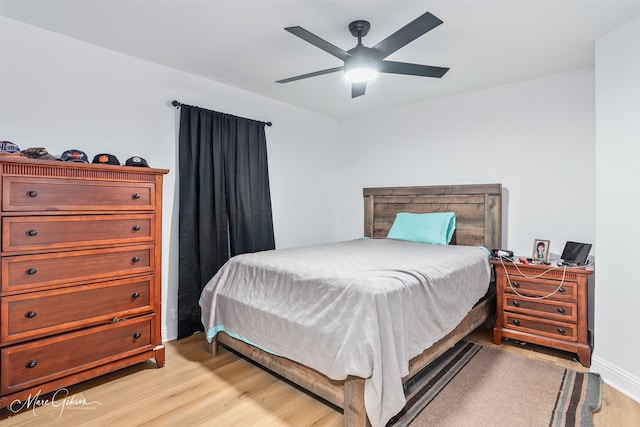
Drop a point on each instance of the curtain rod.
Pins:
(178, 104)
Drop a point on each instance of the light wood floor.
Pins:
(196, 389)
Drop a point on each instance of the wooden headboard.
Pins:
(478, 209)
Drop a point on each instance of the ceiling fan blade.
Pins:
(407, 34)
(411, 69)
(315, 73)
(318, 42)
(357, 89)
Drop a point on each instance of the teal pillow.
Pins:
(435, 228)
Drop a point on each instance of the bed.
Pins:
(357, 370)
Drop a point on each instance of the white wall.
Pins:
(618, 207)
(60, 93)
(536, 138)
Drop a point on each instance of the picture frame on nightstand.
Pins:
(540, 250)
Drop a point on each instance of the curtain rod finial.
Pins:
(175, 103)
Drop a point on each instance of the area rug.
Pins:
(472, 385)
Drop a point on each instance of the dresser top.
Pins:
(22, 166)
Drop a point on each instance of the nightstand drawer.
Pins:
(23, 194)
(38, 314)
(558, 310)
(541, 288)
(26, 272)
(36, 362)
(539, 326)
(75, 231)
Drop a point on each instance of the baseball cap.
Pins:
(8, 148)
(136, 161)
(75, 156)
(106, 159)
(39, 153)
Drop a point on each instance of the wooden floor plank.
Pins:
(197, 389)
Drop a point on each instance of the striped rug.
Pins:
(472, 385)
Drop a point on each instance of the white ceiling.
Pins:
(243, 43)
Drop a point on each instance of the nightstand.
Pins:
(544, 305)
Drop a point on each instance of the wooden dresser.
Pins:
(543, 305)
(81, 263)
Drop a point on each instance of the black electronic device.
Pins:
(576, 253)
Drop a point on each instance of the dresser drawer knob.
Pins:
(561, 290)
(515, 284)
(135, 259)
(561, 310)
(136, 228)
(137, 335)
(31, 271)
(135, 295)
(32, 193)
(32, 233)
(32, 364)
(135, 196)
(516, 303)
(561, 330)
(516, 322)
(30, 314)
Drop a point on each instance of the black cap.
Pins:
(137, 161)
(106, 159)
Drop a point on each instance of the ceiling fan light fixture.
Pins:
(362, 64)
(360, 70)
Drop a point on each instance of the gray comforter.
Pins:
(363, 307)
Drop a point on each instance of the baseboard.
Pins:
(169, 331)
(617, 378)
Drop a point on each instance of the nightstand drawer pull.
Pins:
(561, 330)
(561, 290)
(32, 233)
(515, 284)
(516, 303)
(32, 193)
(30, 314)
(135, 196)
(137, 335)
(516, 322)
(136, 228)
(135, 295)
(561, 310)
(31, 271)
(135, 259)
(31, 364)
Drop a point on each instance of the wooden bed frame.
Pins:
(478, 211)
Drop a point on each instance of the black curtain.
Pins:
(225, 202)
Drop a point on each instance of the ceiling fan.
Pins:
(362, 64)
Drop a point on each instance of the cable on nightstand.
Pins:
(506, 272)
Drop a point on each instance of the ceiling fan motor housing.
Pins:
(359, 28)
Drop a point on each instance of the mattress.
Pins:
(363, 307)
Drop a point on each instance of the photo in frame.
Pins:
(541, 250)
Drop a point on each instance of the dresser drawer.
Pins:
(59, 232)
(63, 194)
(36, 362)
(541, 288)
(540, 326)
(559, 310)
(26, 272)
(37, 314)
